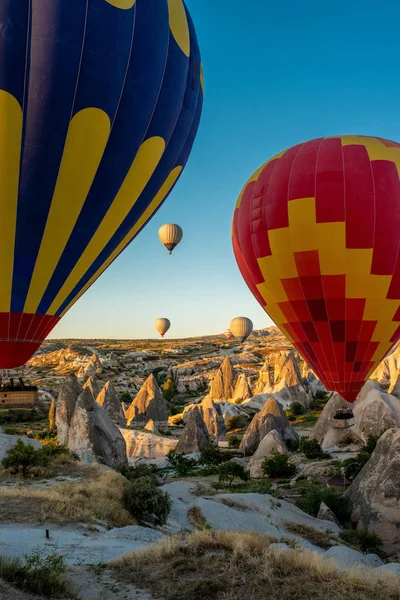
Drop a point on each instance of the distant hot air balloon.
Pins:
(316, 235)
(228, 334)
(100, 103)
(162, 326)
(241, 328)
(170, 235)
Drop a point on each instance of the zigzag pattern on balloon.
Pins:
(316, 234)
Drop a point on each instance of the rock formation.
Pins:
(151, 426)
(271, 442)
(375, 411)
(7, 442)
(195, 434)
(288, 385)
(270, 417)
(223, 385)
(324, 430)
(93, 386)
(242, 389)
(325, 514)
(374, 495)
(109, 400)
(85, 427)
(212, 415)
(148, 404)
(388, 371)
(147, 445)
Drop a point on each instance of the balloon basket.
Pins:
(343, 419)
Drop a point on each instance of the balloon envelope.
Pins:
(170, 235)
(228, 334)
(100, 103)
(316, 235)
(241, 328)
(162, 326)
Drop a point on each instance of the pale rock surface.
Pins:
(7, 442)
(195, 434)
(272, 442)
(93, 436)
(242, 389)
(223, 385)
(326, 514)
(375, 411)
(230, 410)
(66, 401)
(269, 418)
(147, 445)
(148, 404)
(374, 495)
(109, 400)
(288, 386)
(390, 568)
(345, 557)
(257, 401)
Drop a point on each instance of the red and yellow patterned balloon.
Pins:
(316, 235)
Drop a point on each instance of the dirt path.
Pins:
(99, 584)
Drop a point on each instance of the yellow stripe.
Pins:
(87, 138)
(10, 151)
(124, 4)
(143, 167)
(179, 25)
(202, 78)
(169, 182)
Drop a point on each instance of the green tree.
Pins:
(147, 503)
(312, 449)
(279, 465)
(125, 397)
(234, 441)
(182, 464)
(236, 422)
(210, 455)
(297, 409)
(229, 471)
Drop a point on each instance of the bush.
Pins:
(315, 405)
(182, 464)
(311, 449)
(352, 466)
(290, 415)
(228, 471)
(142, 470)
(314, 494)
(176, 410)
(41, 575)
(279, 465)
(24, 457)
(210, 455)
(147, 503)
(125, 397)
(297, 409)
(371, 443)
(362, 539)
(321, 395)
(168, 389)
(293, 445)
(236, 422)
(234, 442)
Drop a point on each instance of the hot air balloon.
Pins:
(100, 103)
(170, 235)
(316, 235)
(241, 328)
(162, 326)
(228, 334)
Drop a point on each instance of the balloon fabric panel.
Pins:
(316, 237)
(101, 117)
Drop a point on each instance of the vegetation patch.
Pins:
(147, 503)
(234, 565)
(197, 519)
(314, 494)
(41, 575)
(229, 471)
(279, 465)
(322, 539)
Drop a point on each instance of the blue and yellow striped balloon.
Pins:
(100, 102)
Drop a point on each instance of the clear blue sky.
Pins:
(276, 73)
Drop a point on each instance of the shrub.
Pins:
(236, 422)
(142, 470)
(210, 455)
(314, 494)
(371, 443)
(293, 445)
(24, 457)
(352, 466)
(147, 503)
(182, 464)
(290, 415)
(234, 442)
(362, 539)
(279, 465)
(297, 409)
(168, 389)
(312, 449)
(228, 471)
(41, 575)
(176, 410)
(321, 395)
(125, 397)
